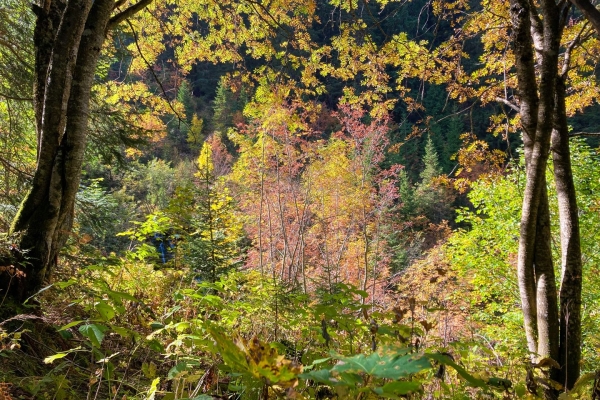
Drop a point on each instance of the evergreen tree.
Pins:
(454, 129)
(432, 164)
(431, 199)
(406, 193)
(184, 96)
(215, 245)
(222, 108)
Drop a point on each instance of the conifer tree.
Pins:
(184, 96)
(452, 142)
(406, 193)
(431, 199)
(222, 109)
(432, 164)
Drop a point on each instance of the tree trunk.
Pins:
(537, 88)
(546, 296)
(571, 264)
(553, 334)
(65, 70)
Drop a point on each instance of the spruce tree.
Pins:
(222, 108)
(184, 96)
(431, 199)
(432, 164)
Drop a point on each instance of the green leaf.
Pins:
(231, 353)
(441, 358)
(120, 296)
(399, 388)
(123, 332)
(57, 356)
(156, 325)
(582, 381)
(69, 325)
(315, 363)
(50, 359)
(155, 345)
(361, 293)
(350, 379)
(106, 311)
(177, 370)
(153, 389)
(149, 370)
(94, 332)
(182, 326)
(65, 284)
(386, 364)
(320, 375)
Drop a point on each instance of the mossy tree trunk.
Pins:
(68, 38)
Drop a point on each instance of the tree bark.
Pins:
(570, 240)
(65, 70)
(536, 88)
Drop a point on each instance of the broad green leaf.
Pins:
(350, 379)
(124, 332)
(177, 370)
(320, 375)
(399, 388)
(120, 296)
(65, 284)
(94, 332)
(181, 326)
(231, 354)
(149, 370)
(385, 364)
(156, 345)
(106, 311)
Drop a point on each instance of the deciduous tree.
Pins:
(533, 53)
(68, 38)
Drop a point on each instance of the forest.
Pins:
(299, 199)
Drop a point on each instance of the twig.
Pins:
(162, 88)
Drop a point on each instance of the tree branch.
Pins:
(15, 98)
(590, 12)
(585, 134)
(567, 55)
(513, 106)
(128, 12)
(537, 27)
(162, 88)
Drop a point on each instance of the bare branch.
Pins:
(584, 134)
(128, 12)
(513, 106)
